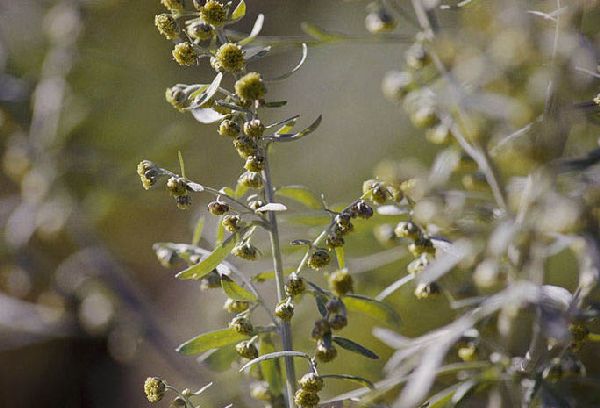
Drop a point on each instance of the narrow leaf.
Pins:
(219, 359)
(283, 122)
(209, 92)
(198, 231)
(206, 265)
(206, 115)
(354, 347)
(289, 137)
(360, 380)
(181, 163)
(277, 354)
(270, 369)
(209, 341)
(235, 291)
(300, 194)
(271, 207)
(274, 104)
(296, 68)
(371, 307)
(255, 30)
(339, 254)
(288, 125)
(220, 234)
(319, 34)
(239, 12)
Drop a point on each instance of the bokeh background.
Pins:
(86, 311)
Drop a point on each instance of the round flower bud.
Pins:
(255, 163)
(167, 26)
(242, 325)
(338, 322)
(245, 251)
(294, 285)
(213, 13)
(218, 207)
(200, 31)
(231, 222)
(183, 201)
(320, 329)
(251, 179)
(185, 54)
(229, 58)
(155, 389)
(468, 352)
(325, 352)
(416, 56)
(229, 128)
(407, 229)
(246, 349)
(376, 190)
(362, 209)
(334, 305)
(177, 186)
(285, 310)
(236, 306)
(344, 229)
(421, 246)
(254, 128)
(396, 84)
(424, 117)
(245, 146)
(426, 290)
(260, 391)
(250, 87)
(334, 240)
(340, 282)
(306, 399)
(342, 220)
(177, 97)
(418, 265)
(173, 5)
(439, 134)
(319, 258)
(379, 22)
(148, 173)
(311, 382)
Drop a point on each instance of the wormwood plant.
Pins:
(201, 35)
(512, 193)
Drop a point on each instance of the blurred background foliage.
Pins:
(86, 312)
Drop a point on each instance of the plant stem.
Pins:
(286, 333)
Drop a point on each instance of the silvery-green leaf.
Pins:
(239, 12)
(274, 104)
(319, 34)
(219, 359)
(371, 307)
(206, 115)
(296, 68)
(258, 24)
(195, 187)
(283, 122)
(254, 53)
(209, 92)
(235, 291)
(339, 254)
(198, 231)
(210, 340)
(394, 287)
(277, 354)
(271, 207)
(289, 137)
(355, 378)
(300, 194)
(270, 369)
(208, 264)
(354, 347)
(391, 210)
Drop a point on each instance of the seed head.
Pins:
(246, 349)
(338, 322)
(218, 207)
(242, 325)
(319, 258)
(285, 310)
(245, 146)
(185, 54)
(167, 26)
(362, 209)
(213, 13)
(376, 190)
(294, 285)
(340, 282)
(306, 399)
(325, 351)
(200, 31)
(229, 128)
(177, 186)
(250, 87)
(154, 388)
(245, 251)
(254, 128)
(334, 240)
(231, 223)
(229, 58)
(311, 382)
(320, 329)
(173, 5)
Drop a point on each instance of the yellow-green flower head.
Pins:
(229, 58)
(251, 179)
(246, 349)
(177, 97)
(250, 87)
(242, 325)
(200, 31)
(245, 146)
(340, 282)
(285, 310)
(254, 128)
(306, 399)
(319, 258)
(213, 13)
(294, 285)
(311, 382)
(173, 5)
(245, 251)
(167, 26)
(229, 128)
(255, 163)
(148, 173)
(154, 388)
(185, 54)
(325, 351)
(236, 306)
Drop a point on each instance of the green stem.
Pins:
(286, 333)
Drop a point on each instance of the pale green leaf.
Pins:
(354, 347)
(208, 264)
(348, 377)
(296, 68)
(198, 231)
(235, 291)
(300, 194)
(371, 307)
(220, 359)
(270, 369)
(290, 137)
(211, 340)
(319, 34)
(181, 163)
(255, 30)
(339, 254)
(277, 354)
(239, 12)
